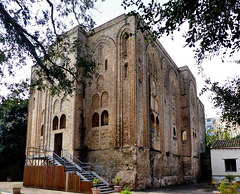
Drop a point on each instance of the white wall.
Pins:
(218, 164)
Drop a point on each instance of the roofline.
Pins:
(225, 148)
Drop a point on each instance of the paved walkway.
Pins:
(187, 188)
(6, 188)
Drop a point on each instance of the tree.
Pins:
(212, 135)
(13, 128)
(212, 25)
(213, 29)
(36, 29)
(227, 98)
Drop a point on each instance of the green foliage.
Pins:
(126, 191)
(213, 135)
(37, 30)
(17, 186)
(118, 180)
(227, 98)
(232, 188)
(13, 127)
(212, 25)
(96, 182)
(230, 178)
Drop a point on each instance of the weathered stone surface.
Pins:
(140, 119)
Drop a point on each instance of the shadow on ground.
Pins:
(187, 188)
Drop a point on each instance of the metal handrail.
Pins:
(42, 151)
(92, 167)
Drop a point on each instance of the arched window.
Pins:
(55, 123)
(100, 83)
(104, 99)
(124, 44)
(157, 123)
(125, 70)
(42, 128)
(100, 52)
(152, 122)
(63, 121)
(184, 136)
(56, 106)
(174, 131)
(95, 101)
(106, 64)
(95, 120)
(104, 118)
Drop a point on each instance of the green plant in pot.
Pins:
(96, 190)
(17, 189)
(117, 187)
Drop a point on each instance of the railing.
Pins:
(39, 155)
(85, 166)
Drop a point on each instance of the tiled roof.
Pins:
(231, 143)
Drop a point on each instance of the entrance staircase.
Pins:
(41, 155)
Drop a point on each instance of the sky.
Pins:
(214, 68)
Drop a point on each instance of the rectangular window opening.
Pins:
(230, 165)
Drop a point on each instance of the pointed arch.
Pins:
(55, 123)
(184, 136)
(56, 106)
(104, 118)
(42, 130)
(125, 70)
(63, 121)
(100, 83)
(95, 120)
(104, 99)
(95, 101)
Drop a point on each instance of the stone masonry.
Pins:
(140, 119)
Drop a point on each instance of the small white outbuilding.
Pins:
(225, 159)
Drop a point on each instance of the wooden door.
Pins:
(58, 143)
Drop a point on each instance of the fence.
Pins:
(55, 178)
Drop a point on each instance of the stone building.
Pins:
(140, 119)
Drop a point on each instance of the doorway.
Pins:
(58, 143)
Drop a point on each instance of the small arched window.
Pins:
(184, 136)
(157, 123)
(174, 131)
(125, 70)
(104, 118)
(152, 121)
(63, 121)
(95, 120)
(55, 123)
(42, 128)
(124, 44)
(106, 64)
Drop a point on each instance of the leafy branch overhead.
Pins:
(227, 98)
(36, 29)
(212, 25)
